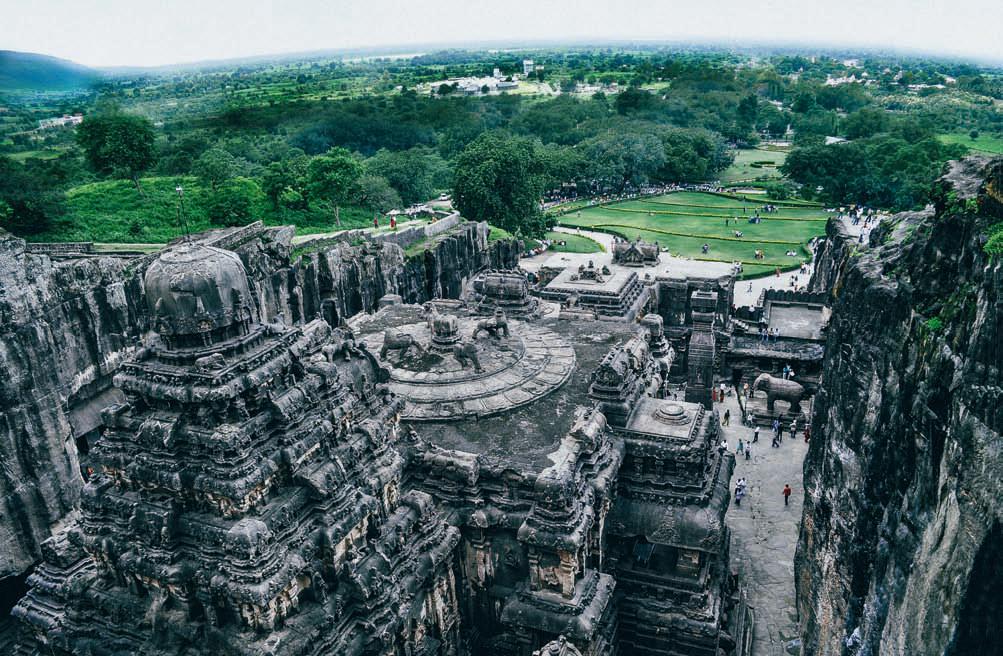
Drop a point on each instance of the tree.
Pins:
(634, 100)
(415, 173)
(331, 178)
(498, 180)
(626, 158)
(692, 155)
(748, 111)
(118, 144)
(29, 204)
(233, 202)
(865, 123)
(286, 180)
(374, 193)
(214, 167)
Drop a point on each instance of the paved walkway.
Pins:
(764, 531)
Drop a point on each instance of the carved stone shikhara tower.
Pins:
(246, 499)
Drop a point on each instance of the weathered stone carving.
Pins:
(496, 326)
(466, 354)
(403, 342)
(636, 253)
(778, 388)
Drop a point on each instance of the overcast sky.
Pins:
(153, 32)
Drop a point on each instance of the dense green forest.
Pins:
(332, 142)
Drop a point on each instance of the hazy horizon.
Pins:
(115, 33)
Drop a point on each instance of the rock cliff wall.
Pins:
(900, 548)
(66, 325)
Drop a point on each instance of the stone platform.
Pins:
(515, 370)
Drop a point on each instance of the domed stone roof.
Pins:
(193, 288)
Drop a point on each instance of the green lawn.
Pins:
(684, 221)
(112, 211)
(990, 144)
(573, 243)
(754, 164)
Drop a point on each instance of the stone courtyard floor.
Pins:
(764, 532)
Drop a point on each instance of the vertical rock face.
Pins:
(900, 548)
(66, 326)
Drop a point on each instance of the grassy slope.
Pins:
(104, 212)
(742, 168)
(985, 143)
(574, 243)
(683, 222)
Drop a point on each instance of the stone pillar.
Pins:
(700, 360)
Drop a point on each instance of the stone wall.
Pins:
(900, 545)
(65, 326)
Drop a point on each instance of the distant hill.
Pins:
(27, 71)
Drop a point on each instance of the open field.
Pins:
(990, 144)
(753, 164)
(683, 222)
(573, 243)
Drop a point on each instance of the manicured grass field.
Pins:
(990, 144)
(573, 243)
(754, 164)
(683, 222)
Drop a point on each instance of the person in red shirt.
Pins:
(807, 434)
(787, 493)
(393, 222)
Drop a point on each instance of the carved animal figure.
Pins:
(399, 342)
(465, 352)
(209, 363)
(493, 325)
(342, 344)
(431, 314)
(778, 388)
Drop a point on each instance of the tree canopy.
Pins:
(499, 180)
(116, 144)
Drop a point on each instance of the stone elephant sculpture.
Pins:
(399, 342)
(778, 388)
(466, 352)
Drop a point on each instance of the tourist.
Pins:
(807, 433)
(722, 392)
(755, 435)
(792, 374)
(741, 446)
(723, 448)
(787, 493)
(748, 451)
(376, 222)
(726, 421)
(787, 370)
(794, 428)
(775, 443)
(776, 425)
(745, 390)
